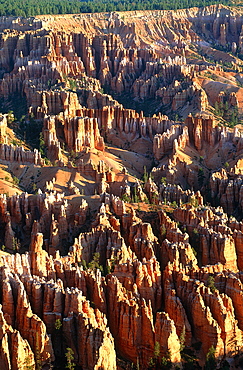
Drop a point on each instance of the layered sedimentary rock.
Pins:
(78, 133)
(130, 246)
(52, 288)
(19, 154)
(227, 187)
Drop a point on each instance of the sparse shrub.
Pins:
(16, 244)
(34, 187)
(174, 204)
(73, 84)
(195, 231)
(84, 264)
(58, 324)
(10, 117)
(94, 264)
(15, 180)
(156, 349)
(194, 252)
(210, 359)
(163, 180)
(126, 198)
(136, 199)
(47, 162)
(27, 365)
(145, 174)
(194, 202)
(210, 283)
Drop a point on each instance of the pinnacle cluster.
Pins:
(121, 190)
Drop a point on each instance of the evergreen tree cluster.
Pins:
(30, 8)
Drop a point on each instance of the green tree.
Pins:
(154, 360)
(84, 264)
(194, 252)
(34, 187)
(145, 174)
(211, 283)
(42, 147)
(195, 244)
(94, 264)
(27, 364)
(156, 349)
(73, 84)
(194, 202)
(126, 198)
(10, 117)
(182, 338)
(31, 8)
(15, 244)
(210, 359)
(165, 361)
(58, 324)
(15, 180)
(163, 181)
(135, 196)
(70, 357)
(38, 356)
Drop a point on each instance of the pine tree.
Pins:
(70, 357)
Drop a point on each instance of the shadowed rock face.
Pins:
(96, 263)
(145, 276)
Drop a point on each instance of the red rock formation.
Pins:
(142, 240)
(15, 352)
(104, 252)
(126, 314)
(91, 330)
(216, 243)
(227, 189)
(207, 310)
(78, 133)
(143, 277)
(165, 335)
(18, 154)
(164, 143)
